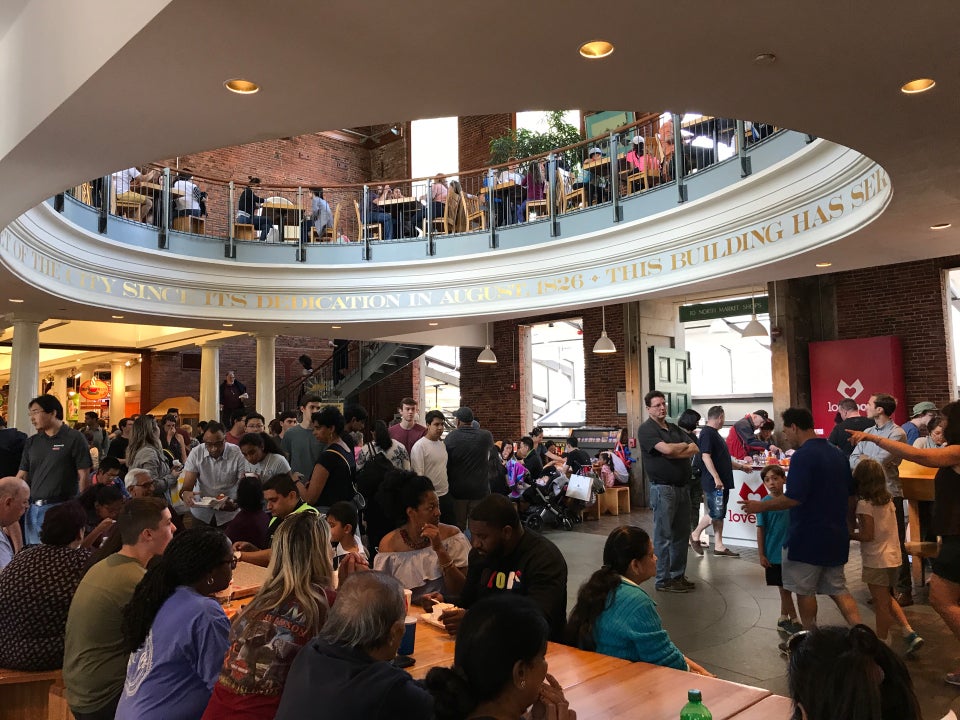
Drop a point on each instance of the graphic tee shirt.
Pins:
(173, 673)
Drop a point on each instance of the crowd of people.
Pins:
(118, 587)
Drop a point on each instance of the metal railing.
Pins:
(604, 170)
(349, 358)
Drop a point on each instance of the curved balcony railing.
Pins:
(218, 217)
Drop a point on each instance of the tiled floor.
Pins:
(728, 624)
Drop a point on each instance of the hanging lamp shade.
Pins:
(487, 356)
(754, 328)
(604, 345)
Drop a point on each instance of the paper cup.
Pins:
(407, 598)
(409, 636)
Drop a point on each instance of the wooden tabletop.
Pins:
(774, 707)
(400, 201)
(246, 582)
(660, 692)
(604, 162)
(274, 205)
(157, 187)
(499, 187)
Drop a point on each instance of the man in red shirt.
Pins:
(742, 433)
(408, 430)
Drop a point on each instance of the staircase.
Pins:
(360, 365)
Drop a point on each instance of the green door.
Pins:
(669, 373)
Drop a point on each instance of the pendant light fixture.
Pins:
(754, 328)
(604, 345)
(487, 356)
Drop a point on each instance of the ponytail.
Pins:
(592, 599)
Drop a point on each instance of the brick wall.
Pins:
(493, 391)
(382, 400)
(906, 300)
(167, 379)
(306, 160)
(475, 133)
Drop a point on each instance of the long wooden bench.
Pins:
(614, 501)
(32, 695)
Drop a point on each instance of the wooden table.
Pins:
(775, 707)
(599, 686)
(157, 188)
(26, 695)
(283, 215)
(603, 164)
(656, 693)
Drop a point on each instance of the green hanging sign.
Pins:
(726, 309)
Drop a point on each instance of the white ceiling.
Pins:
(128, 84)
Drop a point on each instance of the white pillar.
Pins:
(118, 391)
(210, 381)
(24, 372)
(59, 389)
(267, 376)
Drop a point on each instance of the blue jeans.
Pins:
(384, 219)
(671, 534)
(33, 521)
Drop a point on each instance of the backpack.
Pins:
(372, 473)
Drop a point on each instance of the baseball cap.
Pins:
(921, 408)
(464, 415)
(594, 151)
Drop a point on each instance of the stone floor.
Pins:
(728, 624)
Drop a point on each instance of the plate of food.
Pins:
(433, 617)
(214, 503)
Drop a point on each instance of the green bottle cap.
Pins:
(694, 696)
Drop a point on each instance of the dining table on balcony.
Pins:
(285, 214)
(506, 197)
(403, 210)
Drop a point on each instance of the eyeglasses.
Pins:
(148, 483)
(232, 562)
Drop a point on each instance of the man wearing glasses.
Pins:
(666, 460)
(216, 466)
(139, 483)
(55, 463)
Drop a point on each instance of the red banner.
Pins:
(855, 369)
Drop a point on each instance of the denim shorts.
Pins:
(710, 498)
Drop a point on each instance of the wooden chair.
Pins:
(372, 228)
(454, 218)
(244, 231)
(918, 486)
(189, 224)
(129, 209)
(573, 199)
(648, 177)
(474, 212)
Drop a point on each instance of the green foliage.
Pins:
(524, 143)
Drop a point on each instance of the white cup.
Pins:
(407, 597)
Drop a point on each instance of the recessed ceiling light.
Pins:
(824, 264)
(765, 58)
(917, 86)
(596, 49)
(117, 317)
(228, 324)
(941, 226)
(16, 300)
(335, 327)
(241, 87)
(433, 324)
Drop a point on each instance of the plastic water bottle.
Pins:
(695, 709)
(719, 499)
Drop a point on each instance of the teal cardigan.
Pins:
(629, 628)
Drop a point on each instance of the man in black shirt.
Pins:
(575, 458)
(55, 463)
(11, 449)
(530, 457)
(508, 558)
(666, 451)
(850, 419)
(468, 464)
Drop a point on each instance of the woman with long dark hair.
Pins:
(848, 673)
(262, 456)
(394, 451)
(424, 554)
(289, 610)
(499, 666)
(615, 616)
(175, 630)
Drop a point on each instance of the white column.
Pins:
(267, 376)
(210, 381)
(118, 391)
(59, 389)
(24, 372)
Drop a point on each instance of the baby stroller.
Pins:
(546, 505)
